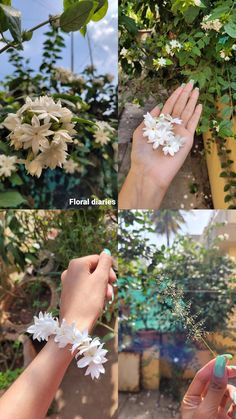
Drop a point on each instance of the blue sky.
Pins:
(103, 35)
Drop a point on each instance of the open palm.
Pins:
(153, 163)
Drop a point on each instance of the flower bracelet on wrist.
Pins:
(91, 350)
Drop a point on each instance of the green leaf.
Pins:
(230, 29)
(11, 199)
(101, 12)
(6, 2)
(128, 23)
(68, 3)
(16, 180)
(12, 18)
(83, 121)
(77, 16)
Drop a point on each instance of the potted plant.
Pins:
(26, 299)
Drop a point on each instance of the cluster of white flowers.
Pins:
(173, 46)
(159, 131)
(208, 25)
(65, 76)
(43, 128)
(103, 132)
(7, 165)
(91, 350)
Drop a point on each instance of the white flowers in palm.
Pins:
(92, 351)
(103, 132)
(159, 131)
(43, 127)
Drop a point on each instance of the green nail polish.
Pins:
(233, 367)
(160, 105)
(228, 356)
(192, 82)
(219, 370)
(183, 84)
(107, 251)
(234, 397)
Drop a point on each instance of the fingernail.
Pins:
(107, 251)
(219, 369)
(234, 397)
(233, 367)
(183, 84)
(192, 82)
(160, 105)
(229, 356)
(197, 88)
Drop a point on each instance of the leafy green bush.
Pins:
(188, 40)
(8, 377)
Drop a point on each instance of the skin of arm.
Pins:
(152, 172)
(85, 285)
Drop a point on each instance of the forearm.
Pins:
(32, 393)
(140, 191)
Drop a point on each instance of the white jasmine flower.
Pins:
(7, 165)
(123, 52)
(103, 132)
(53, 154)
(197, 2)
(66, 334)
(207, 24)
(11, 121)
(173, 146)
(35, 134)
(224, 55)
(159, 132)
(159, 62)
(44, 326)
(93, 358)
(169, 50)
(62, 135)
(70, 166)
(233, 47)
(34, 167)
(174, 44)
(81, 339)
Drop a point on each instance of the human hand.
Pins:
(153, 163)
(209, 396)
(86, 284)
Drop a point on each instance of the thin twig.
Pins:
(50, 20)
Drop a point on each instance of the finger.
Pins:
(154, 112)
(170, 103)
(112, 276)
(217, 388)
(110, 292)
(63, 275)
(201, 380)
(190, 107)
(230, 394)
(104, 265)
(182, 100)
(193, 121)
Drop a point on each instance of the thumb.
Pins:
(216, 389)
(104, 265)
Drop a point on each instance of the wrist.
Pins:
(141, 190)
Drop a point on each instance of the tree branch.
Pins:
(46, 22)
